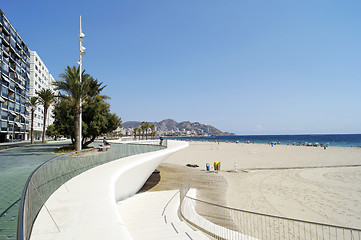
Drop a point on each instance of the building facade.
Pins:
(40, 78)
(15, 83)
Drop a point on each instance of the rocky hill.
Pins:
(186, 127)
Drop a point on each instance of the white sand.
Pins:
(299, 182)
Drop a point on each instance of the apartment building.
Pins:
(40, 78)
(15, 83)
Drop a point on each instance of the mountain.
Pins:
(171, 127)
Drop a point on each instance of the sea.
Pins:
(332, 140)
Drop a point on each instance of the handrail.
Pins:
(51, 174)
(20, 232)
(275, 216)
(244, 224)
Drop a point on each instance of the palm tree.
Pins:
(33, 102)
(46, 97)
(75, 92)
(152, 129)
(95, 88)
(144, 126)
(135, 133)
(139, 132)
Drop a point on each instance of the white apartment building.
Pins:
(40, 78)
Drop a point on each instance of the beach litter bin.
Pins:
(208, 167)
(217, 166)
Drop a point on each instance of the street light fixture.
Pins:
(81, 53)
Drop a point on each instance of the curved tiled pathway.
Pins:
(16, 164)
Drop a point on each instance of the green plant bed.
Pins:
(69, 148)
(65, 149)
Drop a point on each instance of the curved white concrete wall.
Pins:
(132, 176)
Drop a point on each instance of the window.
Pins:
(3, 125)
(5, 104)
(4, 92)
(4, 114)
(5, 68)
(12, 85)
(11, 106)
(5, 83)
(12, 42)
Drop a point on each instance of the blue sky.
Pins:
(248, 67)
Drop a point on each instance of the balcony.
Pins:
(7, 30)
(12, 55)
(18, 44)
(17, 52)
(5, 50)
(6, 27)
(6, 39)
(6, 60)
(12, 67)
(12, 97)
(5, 72)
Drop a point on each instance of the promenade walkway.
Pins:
(15, 166)
(154, 215)
(86, 206)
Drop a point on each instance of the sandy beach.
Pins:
(308, 183)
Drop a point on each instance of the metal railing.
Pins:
(49, 176)
(155, 141)
(223, 222)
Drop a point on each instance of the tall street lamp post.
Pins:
(81, 53)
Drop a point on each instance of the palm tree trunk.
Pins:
(32, 127)
(89, 142)
(44, 125)
(76, 128)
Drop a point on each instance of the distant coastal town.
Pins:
(170, 127)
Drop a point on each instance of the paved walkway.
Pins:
(4, 145)
(16, 164)
(154, 215)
